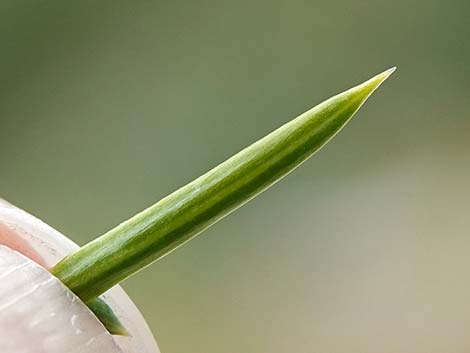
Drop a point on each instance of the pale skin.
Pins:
(46, 246)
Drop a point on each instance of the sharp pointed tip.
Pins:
(378, 79)
(369, 87)
(359, 94)
(388, 72)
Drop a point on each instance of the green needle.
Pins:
(177, 218)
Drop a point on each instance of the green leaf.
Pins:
(177, 218)
(107, 317)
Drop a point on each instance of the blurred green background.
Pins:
(107, 106)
